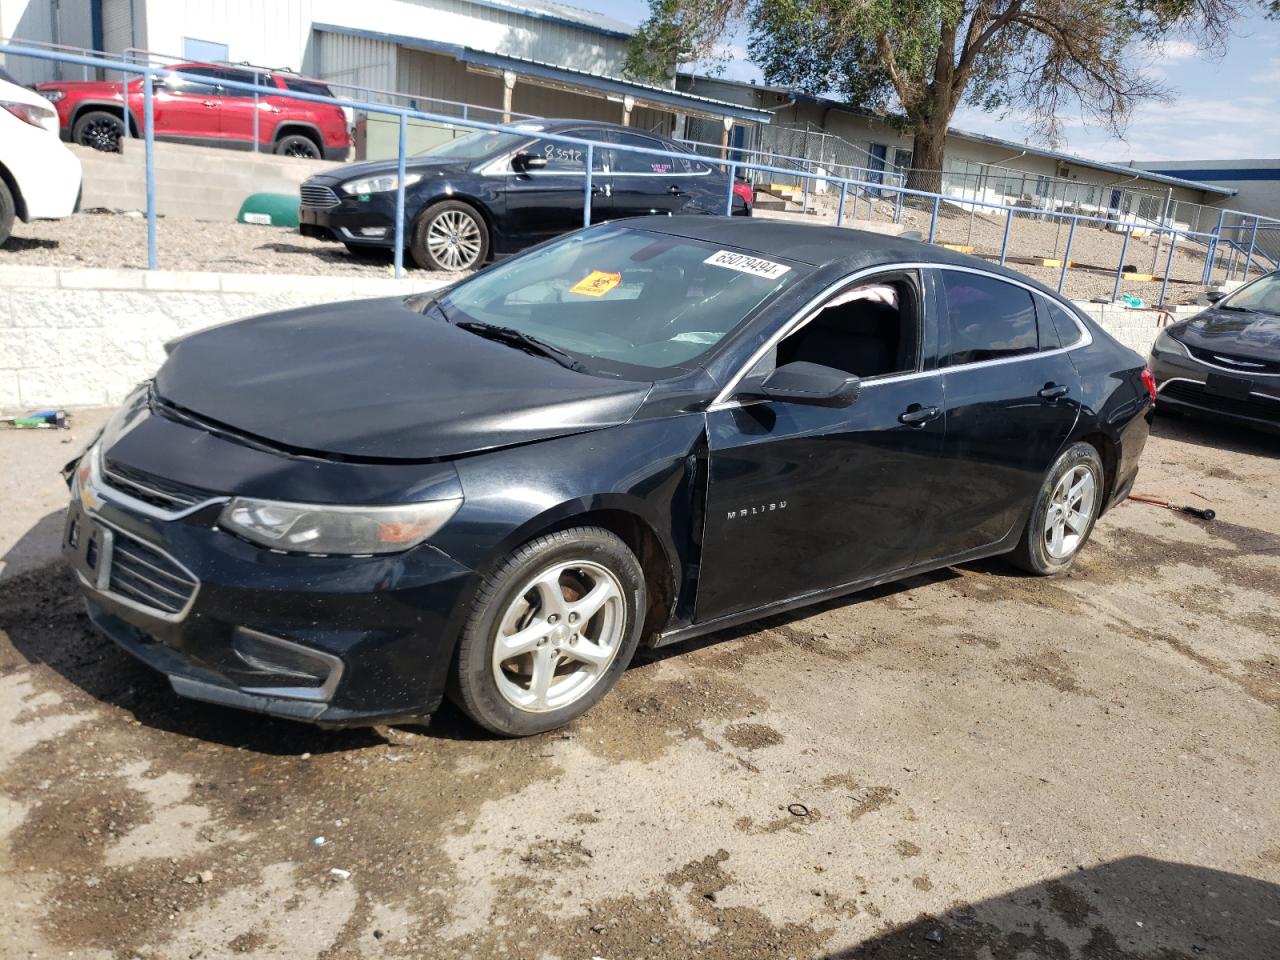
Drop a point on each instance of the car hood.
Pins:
(427, 166)
(1253, 335)
(376, 379)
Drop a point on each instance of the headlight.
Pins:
(321, 528)
(380, 184)
(1166, 342)
(53, 96)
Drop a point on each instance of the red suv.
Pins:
(206, 112)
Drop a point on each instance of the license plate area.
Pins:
(1230, 388)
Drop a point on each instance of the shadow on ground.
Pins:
(1219, 435)
(1137, 908)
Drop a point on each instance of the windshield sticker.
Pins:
(596, 283)
(756, 266)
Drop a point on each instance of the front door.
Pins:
(546, 202)
(803, 498)
(1012, 399)
(187, 110)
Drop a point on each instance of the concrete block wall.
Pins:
(85, 337)
(195, 183)
(1136, 329)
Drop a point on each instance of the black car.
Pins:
(497, 193)
(640, 432)
(1224, 363)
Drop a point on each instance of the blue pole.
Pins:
(933, 221)
(1004, 246)
(400, 175)
(1066, 257)
(844, 189)
(1124, 249)
(124, 102)
(149, 133)
(1168, 268)
(1253, 240)
(897, 206)
(587, 189)
(1213, 248)
(733, 173)
(257, 80)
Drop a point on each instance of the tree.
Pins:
(918, 61)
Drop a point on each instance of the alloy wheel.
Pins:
(559, 636)
(102, 134)
(454, 240)
(1070, 511)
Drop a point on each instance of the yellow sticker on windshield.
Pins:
(596, 283)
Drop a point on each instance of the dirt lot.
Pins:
(972, 764)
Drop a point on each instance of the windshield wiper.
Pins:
(521, 340)
(1228, 306)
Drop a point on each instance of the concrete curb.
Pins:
(16, 276)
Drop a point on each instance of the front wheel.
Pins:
(100, 130)
(550, 632)
(7, 212)
(450, 236)
(1064, 512)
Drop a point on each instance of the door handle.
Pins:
(917, 416)
(675, 191)
(1052, 391)
(600, 191)
(208, 103)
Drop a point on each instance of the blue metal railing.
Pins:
(900, 192)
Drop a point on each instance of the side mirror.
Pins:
(810, 383)
(528, 161)
(1213, 296)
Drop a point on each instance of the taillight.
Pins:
(1149, 381)
(29, 113)
(744, 191)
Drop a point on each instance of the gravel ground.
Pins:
(972, 764)
(120, 240)
(114, 240)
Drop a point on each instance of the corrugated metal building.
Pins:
(536, 57)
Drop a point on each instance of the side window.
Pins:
(624, 162)
(1067, 329)
(1049, 339)
(988, 318)
(240, 76)
(870, 330)
(567, 157)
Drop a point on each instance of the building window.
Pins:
(205, 51)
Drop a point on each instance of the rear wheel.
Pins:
(450, 236)
(100, 130)
(297, 145)
(7, 212)
(1064, 512)
(550, 632)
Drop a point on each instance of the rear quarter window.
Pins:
(987, 319)
(307, 86)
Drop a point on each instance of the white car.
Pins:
(39, 176)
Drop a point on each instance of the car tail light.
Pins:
(1149, 381)
(30, 113)
(743, 190)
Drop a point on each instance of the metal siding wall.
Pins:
(32, 21)
(115, 26)
(357, 61)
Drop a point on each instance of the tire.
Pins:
(100, 130)
(8, 210)
(440, 223)
(1051, 542)
(298, 145)
(533, 596)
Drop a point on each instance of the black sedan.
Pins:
(1224, 363)
(640, 432)
(496, 193)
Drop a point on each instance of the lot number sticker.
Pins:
(743, 263)
(596, 283)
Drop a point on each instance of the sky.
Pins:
(1221, 107)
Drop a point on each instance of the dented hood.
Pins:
(376, 379)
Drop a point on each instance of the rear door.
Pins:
(645, 184)
(544, 203)
(1012, 399)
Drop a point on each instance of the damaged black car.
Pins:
(637, 433)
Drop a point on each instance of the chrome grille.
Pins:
(1231, 361)
(165, 494)
(315, 195)
(143, 575)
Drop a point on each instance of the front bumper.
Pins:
(374, 635)
(1186, 385)
(370, 223)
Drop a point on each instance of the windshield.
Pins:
(621, 300)
(478, 145)
(1263, 296)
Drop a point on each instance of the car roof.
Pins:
(819, 246)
